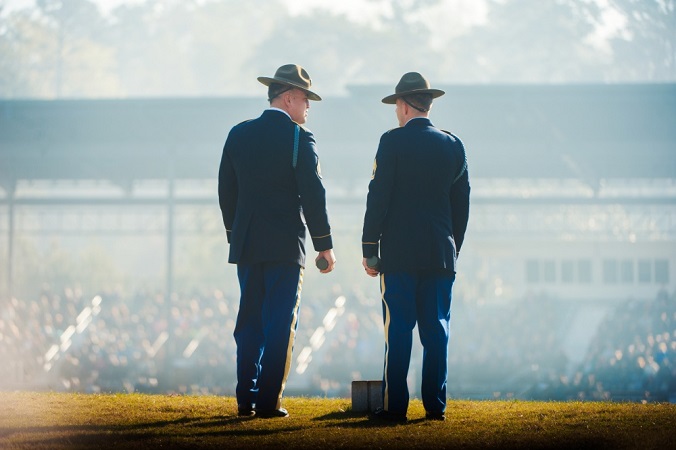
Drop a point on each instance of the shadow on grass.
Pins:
(149, 426)
(347, 418)
(110, 436)
(341, 415)
(5, 432)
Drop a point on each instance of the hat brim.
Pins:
(268, 81)
(392, 99)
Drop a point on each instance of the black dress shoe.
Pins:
(245, 411)
(270, 413)
(429, 415)
(389, 416)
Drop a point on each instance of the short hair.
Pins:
(420, 102)
(277, 89)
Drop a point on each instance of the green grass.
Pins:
(129, 421)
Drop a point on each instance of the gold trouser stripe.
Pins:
(292, 338)
(386, 397)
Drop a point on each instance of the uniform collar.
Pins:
(272, 108)
(419, 122)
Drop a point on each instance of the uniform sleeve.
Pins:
(378, 198)
(227, 189)
(460, 201)
(312, 193)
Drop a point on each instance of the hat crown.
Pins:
(293, 73)
(412, 81)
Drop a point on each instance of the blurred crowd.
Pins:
(145, 342)
(631, 357)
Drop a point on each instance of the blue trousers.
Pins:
(409, 297)
(265, 331)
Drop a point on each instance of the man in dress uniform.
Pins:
(416, 216)
(269, 179)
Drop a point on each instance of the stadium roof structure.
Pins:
(587, 132)
(549, 137)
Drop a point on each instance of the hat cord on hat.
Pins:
(276, 89)
(417, 108)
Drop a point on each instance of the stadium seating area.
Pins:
(67, 342)
(632, 357)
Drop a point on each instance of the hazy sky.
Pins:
(357, 10)
(453, 30)
(468, 11)
(462, 13)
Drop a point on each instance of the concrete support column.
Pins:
(170, 230)
(11, 193)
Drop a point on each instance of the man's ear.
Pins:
(287, 97)
(405, 108)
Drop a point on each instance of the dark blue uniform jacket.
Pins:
(263, 198)
(417, 207)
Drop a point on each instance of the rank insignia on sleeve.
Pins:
(375, 166)
(319, 169)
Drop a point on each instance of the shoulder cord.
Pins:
(296, 134)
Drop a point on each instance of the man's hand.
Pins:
(329, 257)
(370, 271)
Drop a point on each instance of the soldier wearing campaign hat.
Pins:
(269, 179)
(417, 211)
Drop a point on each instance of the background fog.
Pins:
(113, 114)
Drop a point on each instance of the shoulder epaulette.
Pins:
(450, 134)
(464, 156)
(301, 126)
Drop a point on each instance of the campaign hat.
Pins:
(292, 75)
(412, 83)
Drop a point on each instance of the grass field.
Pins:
(131, 421)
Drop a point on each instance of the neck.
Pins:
(407, 118)
(279, 105)
(418, 116)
